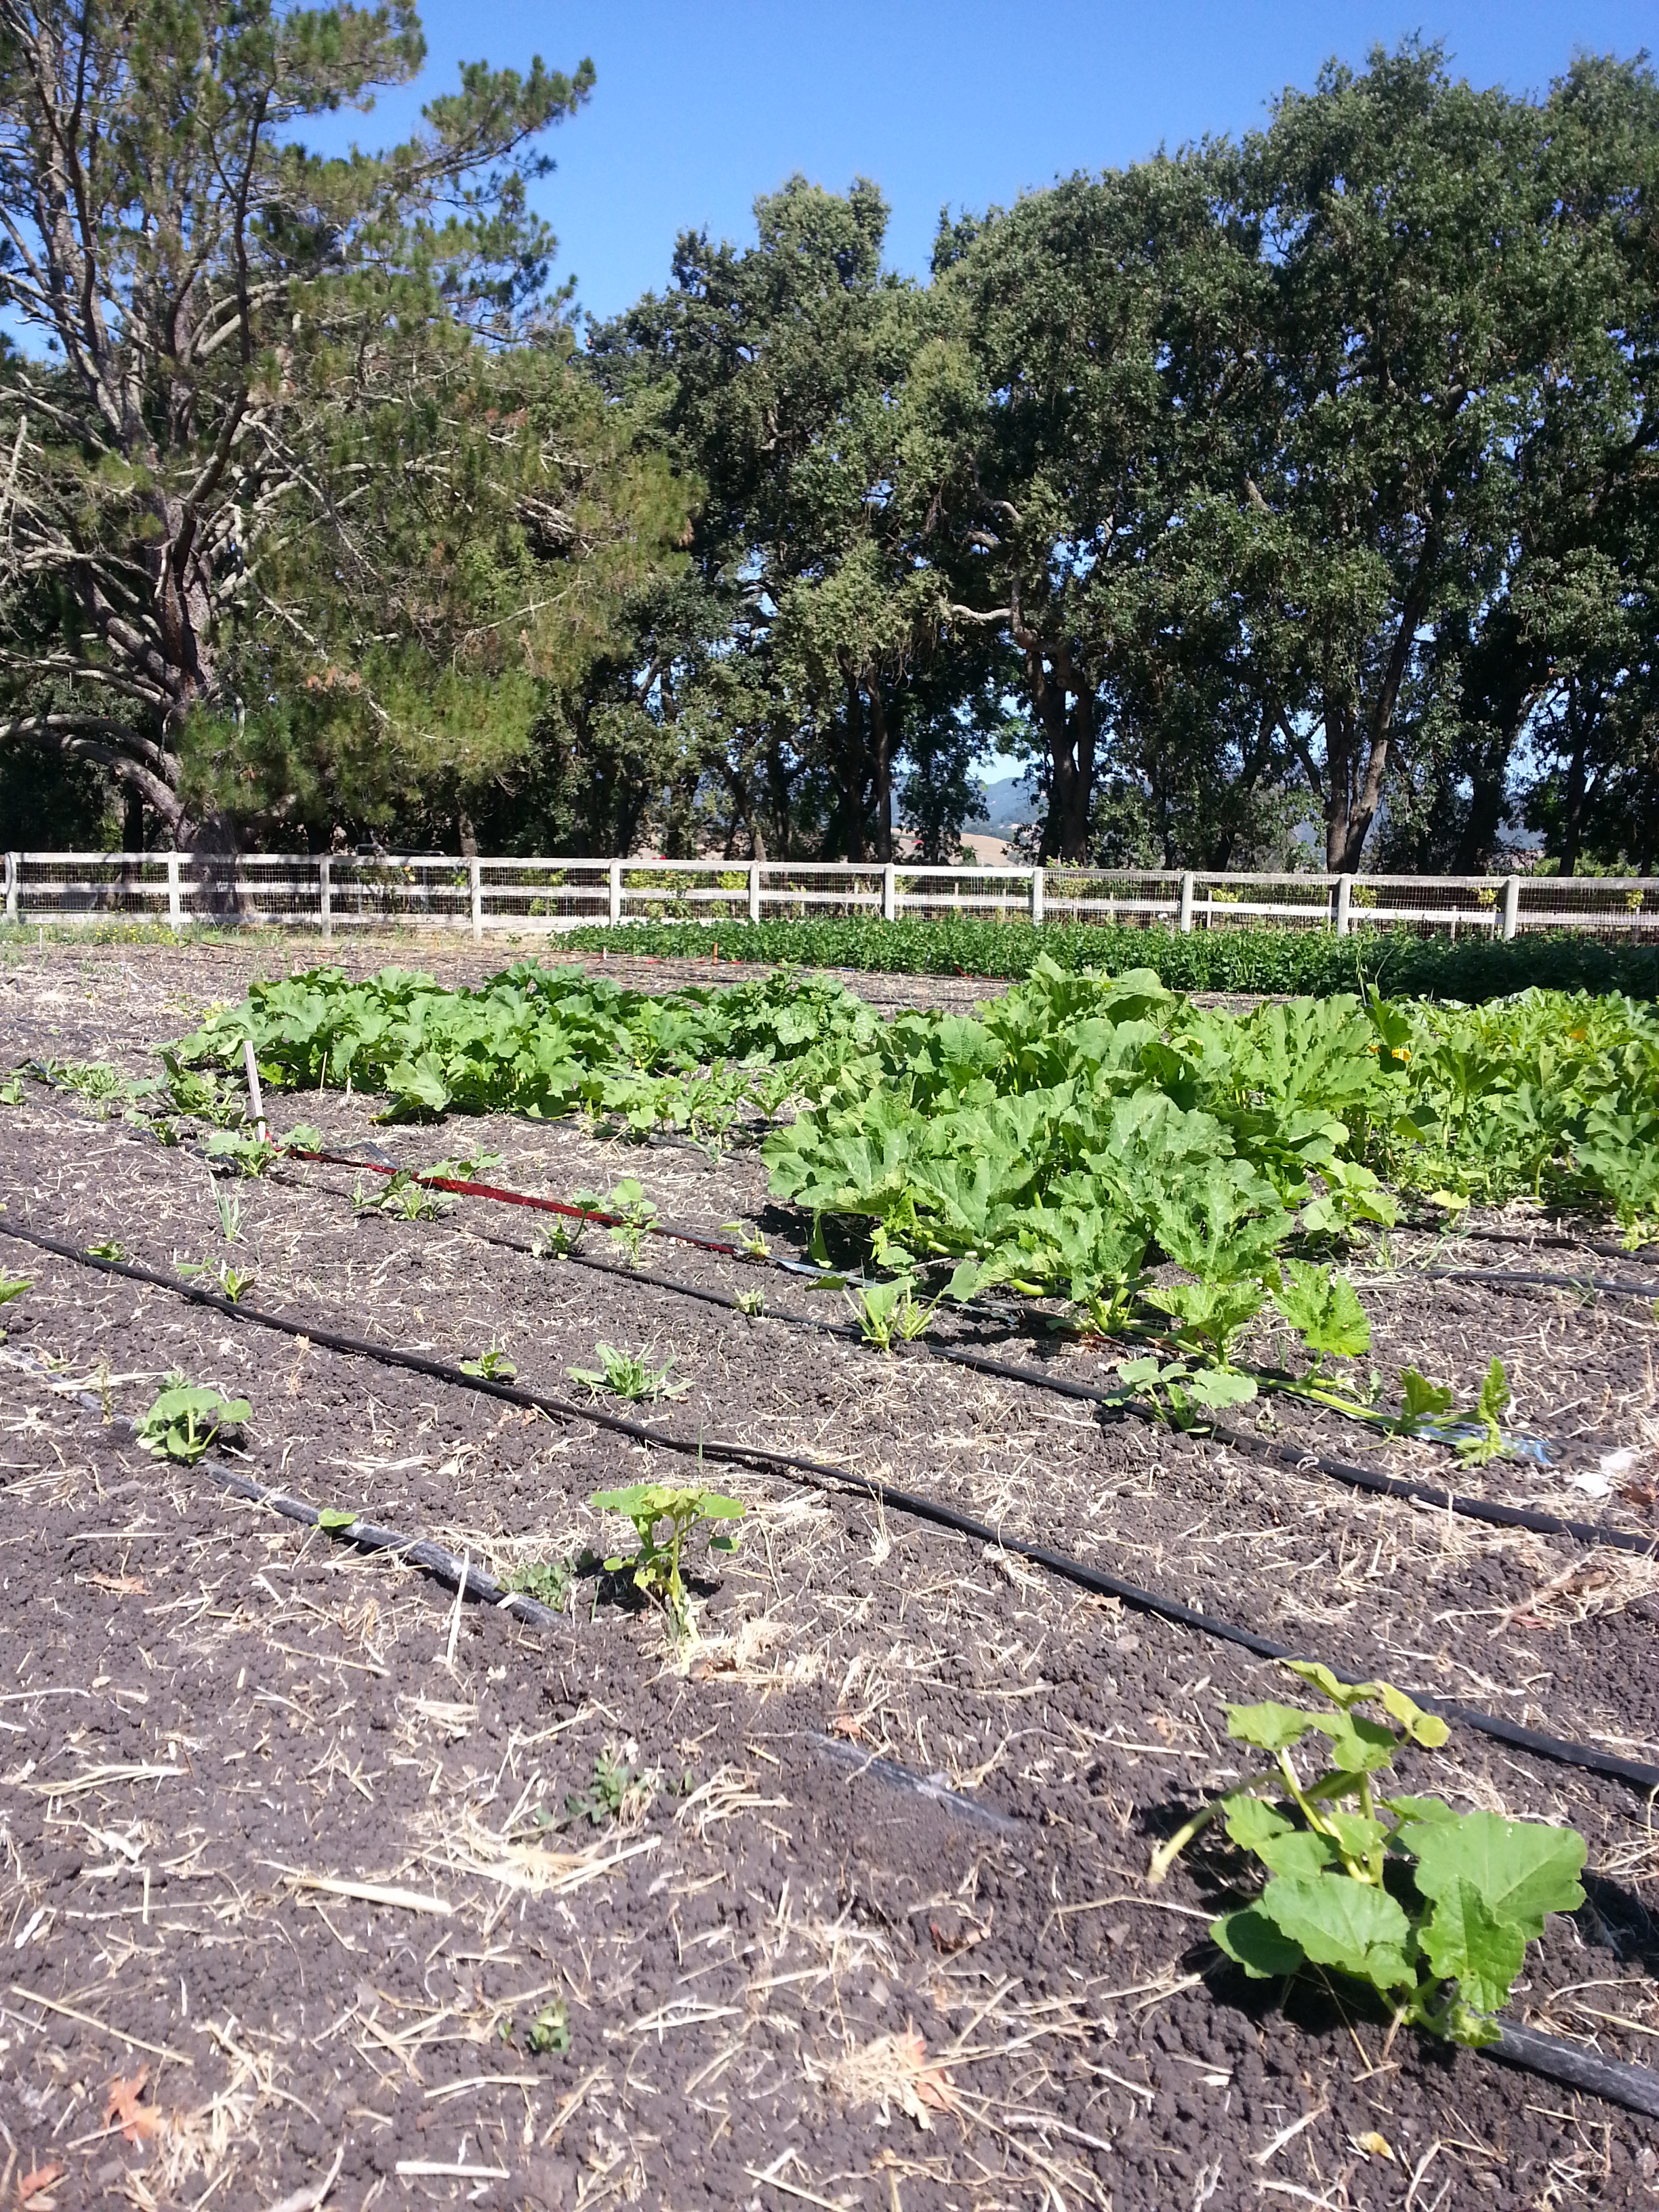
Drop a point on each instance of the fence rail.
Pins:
(332, 894)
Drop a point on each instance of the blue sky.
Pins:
(699, 108)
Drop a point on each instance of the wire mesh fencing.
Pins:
(339, 893)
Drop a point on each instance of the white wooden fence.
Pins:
(332, 893)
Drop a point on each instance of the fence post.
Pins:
(13, 871)
(1511, 907)
(1038, 887)
(475, 878)
(1187, 903)
(615, 893)
(1344, 902)
(890, 893)
(754, 891)
(325, 896)
(175, 904)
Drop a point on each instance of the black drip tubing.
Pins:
(816, 1474)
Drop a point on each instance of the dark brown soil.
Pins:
(786, 1980)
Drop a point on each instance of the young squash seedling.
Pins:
(549, 2032)
(888, 1310)
(656, 1564)
(249, 1156)
(186, 1418)
(232, 1281)
(1434, 1909)
(13, 1286)
(11, 1092)
(494, 1365)
(628, 1374)
(635, 1213)
(751, 1244)
(550, 1581)
(751, 1302)
(227, 1205)
(606, 1794)
(1183, 1395)
(401, 1197)
(558, 1241)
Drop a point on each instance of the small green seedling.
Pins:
(249, 1156)
(550, 1581)
(94, 1078)
(107, 1250)
(333, 1518)
(227, 1204)
(198, 1094)
(635, 1215)
(888, 1310)
(303, 1137)
(186, 1418)
(558, 1240)
(656, 1564)
(469, 1167)
(402, 1197)
(232, 1281)
(11, 1092)
(1490, 1407)
(605, 1795)
(494, 1365)
(751, 1244)
(1434, 1909)
(752, 1303)
(1181, 1394)
(549, 2032)
(628, 1374)
(13, 1286)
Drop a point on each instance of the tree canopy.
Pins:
(1295, 494)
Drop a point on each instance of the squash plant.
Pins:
(1434, 1909)
(186, 1418)
(656, 1564)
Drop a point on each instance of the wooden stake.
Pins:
(255, 1096)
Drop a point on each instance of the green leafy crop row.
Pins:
(1075, 1138)
(533, 1040)
(1396, 961)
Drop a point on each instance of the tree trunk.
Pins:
(881, 763)
(1071, 734)
(847, 829)
(1572, 818)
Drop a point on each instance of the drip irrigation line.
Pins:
(931, 1786)
(817, 1475)
(1615, 2080)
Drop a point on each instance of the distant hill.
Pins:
(1007, 804)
